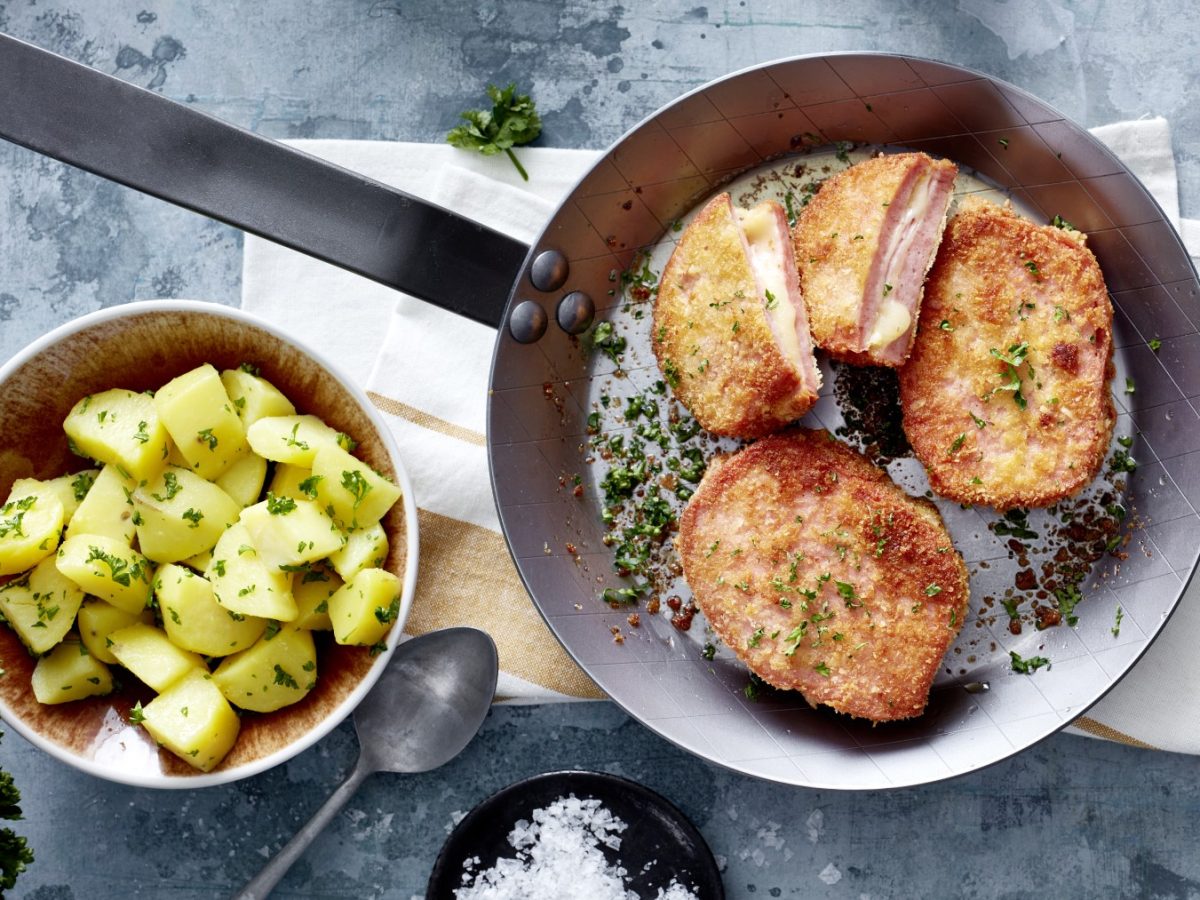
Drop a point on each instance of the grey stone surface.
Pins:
(1070, 818)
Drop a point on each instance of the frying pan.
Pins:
(544, 383)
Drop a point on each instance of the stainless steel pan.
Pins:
(545, 383)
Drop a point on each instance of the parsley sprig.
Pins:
(511, 122)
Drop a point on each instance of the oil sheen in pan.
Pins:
(1029, 569)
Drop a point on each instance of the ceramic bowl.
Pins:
(142, 346)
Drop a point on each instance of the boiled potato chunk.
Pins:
(69, 489)
(107, 508)
(195, 621)
(41, 606)
(107, 569)
(289, 533)
(290, 439)
(276, 672)
(148, 653)
(119, 427)
(366, 548)
(30, 526)
(179, 514)
(69, 672)
(193, 720)
(243, 481)
(364, 609)
(357, 495)
(98, 620)
(201, 420)
(293, 481)
(245, 584)
(200, 562)
(312, 590)
(254, 397)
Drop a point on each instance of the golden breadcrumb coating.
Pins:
(712, 338)
(869, 237)
(1006, 396)
(823, 576)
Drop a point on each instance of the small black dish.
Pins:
(657, 833)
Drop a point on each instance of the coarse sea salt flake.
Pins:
(559, 855)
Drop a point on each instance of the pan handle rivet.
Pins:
(549, 270)
(527, 322)
(575, 312)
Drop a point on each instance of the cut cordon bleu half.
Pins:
(730, 328)
(863, 247)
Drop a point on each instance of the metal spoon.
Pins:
(424, 710)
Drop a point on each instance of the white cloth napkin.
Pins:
(400, 350)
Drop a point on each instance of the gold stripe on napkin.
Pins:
(1100, 730)
(466, 577)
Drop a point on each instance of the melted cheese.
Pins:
(892, 322)
(762, 235)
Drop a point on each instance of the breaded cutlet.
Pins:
(823, 576)
(730, 331)
(1006, 396)
(863, 246)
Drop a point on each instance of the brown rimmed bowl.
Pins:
(141, 346)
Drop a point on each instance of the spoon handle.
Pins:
(260, 886)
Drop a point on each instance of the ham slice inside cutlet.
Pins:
(907, 245)
(768, 243)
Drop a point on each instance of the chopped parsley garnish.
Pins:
(141, 435)
(1060, 222)
(605, 339)
(957, 444)
(755, 638)
(82, 483)
(1003, 142)
(15, 511)
(932, 589)
(772, 300)
(945, 325)
(308, 487)
(249, 369)
(193, 516)
(173, 487)
(346, 442)
(979, 423)
(136, 716)
(1122, 462)
(1116, 629)
(1015, 524)
(1068, 597)
(280, 506)
(386, 614)
(822, 669)
(282, 677)
(1027, 666)
(887, 289)
(1012, 361)
(1033, 268)
(292, 440)
(671, 372)
(356, 485)
(1061, 315)
(1154, 344)
(206, 436)
(1129, 387)
(845, 590)
(119, 569)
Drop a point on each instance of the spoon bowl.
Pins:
(424, 710)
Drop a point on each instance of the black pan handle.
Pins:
(143, 140)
